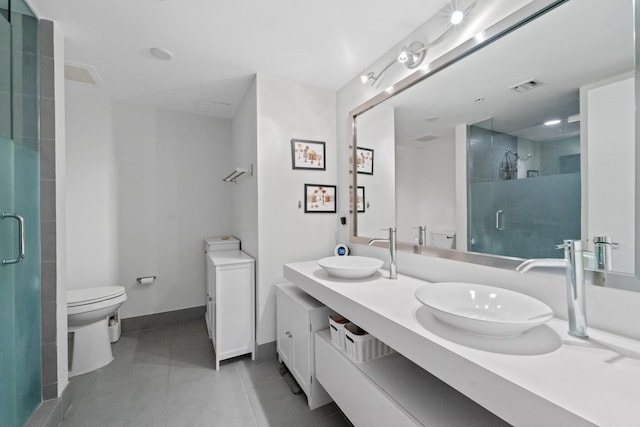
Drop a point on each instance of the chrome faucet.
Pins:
(602, 248)
(573, 263)
(393, 251)
(422, 235)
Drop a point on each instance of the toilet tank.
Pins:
(221, 243)
(443, 239)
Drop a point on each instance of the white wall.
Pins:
(609, 121)
(285, 111)
(426, 188)
(91, 191)
(144, 189)
(376, 130)
(245, 192)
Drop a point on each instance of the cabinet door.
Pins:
(234, 310)
(283, 327)
(300, 367)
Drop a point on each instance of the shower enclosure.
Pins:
(523, 195)
(20, 334)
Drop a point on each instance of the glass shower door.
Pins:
(20, 334)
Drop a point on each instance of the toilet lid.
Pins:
(77, 297)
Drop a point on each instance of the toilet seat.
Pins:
(80, 297)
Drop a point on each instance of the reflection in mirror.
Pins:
(516, 147)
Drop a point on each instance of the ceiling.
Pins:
(219, 46)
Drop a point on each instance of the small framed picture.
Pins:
(308, 154)
(360, 202)
(532, 173)
(364, 160)
(319, 198)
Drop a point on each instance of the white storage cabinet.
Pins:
(298, 317)
(230, 299)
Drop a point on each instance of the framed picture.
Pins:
(364, 160)
(360, 202)
(307, 154)
(319, 198)
(532, 173)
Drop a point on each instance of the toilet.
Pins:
(443, 239)
(88, 311)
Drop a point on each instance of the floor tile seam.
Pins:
(246, 396)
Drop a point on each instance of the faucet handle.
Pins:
(605, 240)
(575, 245)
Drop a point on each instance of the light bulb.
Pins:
(366, 77)
(456, 17)
(404, 56)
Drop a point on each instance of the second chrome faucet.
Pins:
(393, 251)
(573, 264)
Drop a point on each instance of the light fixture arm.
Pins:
(413, 57)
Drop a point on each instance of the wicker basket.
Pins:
(362, 346)
(336, 326)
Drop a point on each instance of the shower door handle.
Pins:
(500, 220)
(21, 252)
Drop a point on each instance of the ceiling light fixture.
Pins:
(552, 122)
(456, 17)
(412, 55)
(161, 53)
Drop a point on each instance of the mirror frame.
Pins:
(521, 17)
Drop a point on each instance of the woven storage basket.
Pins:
(362, 346)
(336, 326)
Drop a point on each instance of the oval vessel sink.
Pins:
(482, 309)
(350, 267)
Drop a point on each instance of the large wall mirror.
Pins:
(506, 147)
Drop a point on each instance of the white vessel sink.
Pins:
(350, 267)
(482, 309)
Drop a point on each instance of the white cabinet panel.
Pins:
(298, 317)
(231, 304)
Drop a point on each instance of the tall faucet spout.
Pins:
(574, 266)
(543, 262)
(393, 252)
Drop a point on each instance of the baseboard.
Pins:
(157, 320)
(50, 412)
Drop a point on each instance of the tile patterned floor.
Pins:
(165, 378)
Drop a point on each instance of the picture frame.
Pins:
(319, 198)
(307, 154)
(360, 200)
(364, 160)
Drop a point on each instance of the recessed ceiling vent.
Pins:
(81, 73)
(526, 86)
(426, 138)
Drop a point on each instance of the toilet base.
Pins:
(91, 347)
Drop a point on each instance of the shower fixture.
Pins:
(412, 55)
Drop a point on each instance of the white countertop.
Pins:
(543, 377)
(229, 257)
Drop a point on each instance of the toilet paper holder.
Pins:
(146, 280)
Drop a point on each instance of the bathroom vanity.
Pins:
(543, 377)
